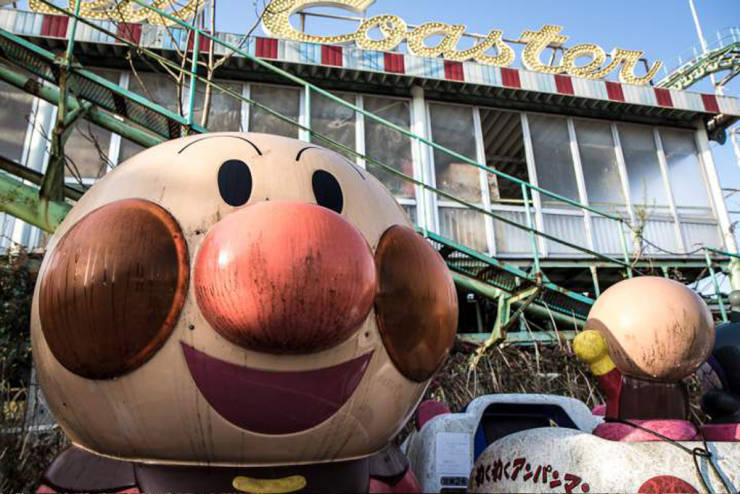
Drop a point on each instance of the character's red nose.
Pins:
(285, 277)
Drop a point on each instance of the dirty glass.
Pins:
(335, 121)
(14, 118)
(452, 128)
(87, 147)
(128, 149)
(389, 146)
(225, 110)
(159, 88)
(684, 169)
(646, 185)
(599, 162)
(503, 142)
(283, 100)
(552, 158)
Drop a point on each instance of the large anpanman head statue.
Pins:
(238, 299)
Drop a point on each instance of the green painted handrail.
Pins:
(23, 202)
(370, 115)
(374, 162)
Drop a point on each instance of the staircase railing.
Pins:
(310, 89)
(165, 130)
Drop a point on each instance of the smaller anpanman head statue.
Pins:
(643, 336)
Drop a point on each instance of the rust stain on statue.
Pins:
(416, 304)
(114, 288)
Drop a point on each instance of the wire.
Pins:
(696, 453)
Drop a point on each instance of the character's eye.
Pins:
(235, 182)
(113, 287)
(416, 305)
(327, 191)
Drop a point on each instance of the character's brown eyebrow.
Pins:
(216, 137)
(354, 167)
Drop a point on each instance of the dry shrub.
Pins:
(534, 368)
(26, 449)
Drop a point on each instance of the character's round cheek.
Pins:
(113, 288)
(416, 304)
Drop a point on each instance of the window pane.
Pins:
(684, 172)
(335, 121)
(225, 110)
(285, 101)
(452, 127)
(128, 149)
(599, 162)
(388, 146)
(159, 88)
(552, 158)
(16, 106)
(643, 169)
(504, 145)
(86, 149)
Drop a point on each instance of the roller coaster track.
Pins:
(79, 93)
(722, 56)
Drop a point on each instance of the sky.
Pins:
(663, 28)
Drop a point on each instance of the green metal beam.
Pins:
(23, 202)
(488, 291)
(50, 93)
(35, 177)
(521, 337)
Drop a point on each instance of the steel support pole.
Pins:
(717, 291)
(23, 202)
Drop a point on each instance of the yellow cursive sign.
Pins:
(276, 22)
(126, 10)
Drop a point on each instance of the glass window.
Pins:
(643, 169)
(225, 112)
(599, 162)
(335, 121)
(389, 146)
(283, 100)
(684, 169)
(86, 149)
(452, 127)
(128, 149)
(504, 145)
(552, 158)
(159, 88)
(14, 118)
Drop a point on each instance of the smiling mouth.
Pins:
(270, 402)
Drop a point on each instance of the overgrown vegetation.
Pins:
(25, 449)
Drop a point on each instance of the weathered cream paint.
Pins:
(156, 413)
(656, 328)
(606, 466)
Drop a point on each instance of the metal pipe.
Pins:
(193, 75)
(35, 177)
(717, 291)
(491, 292)
(702, 41)
(93, 114)
(625, 253)
(530, 224)
(23, 202)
